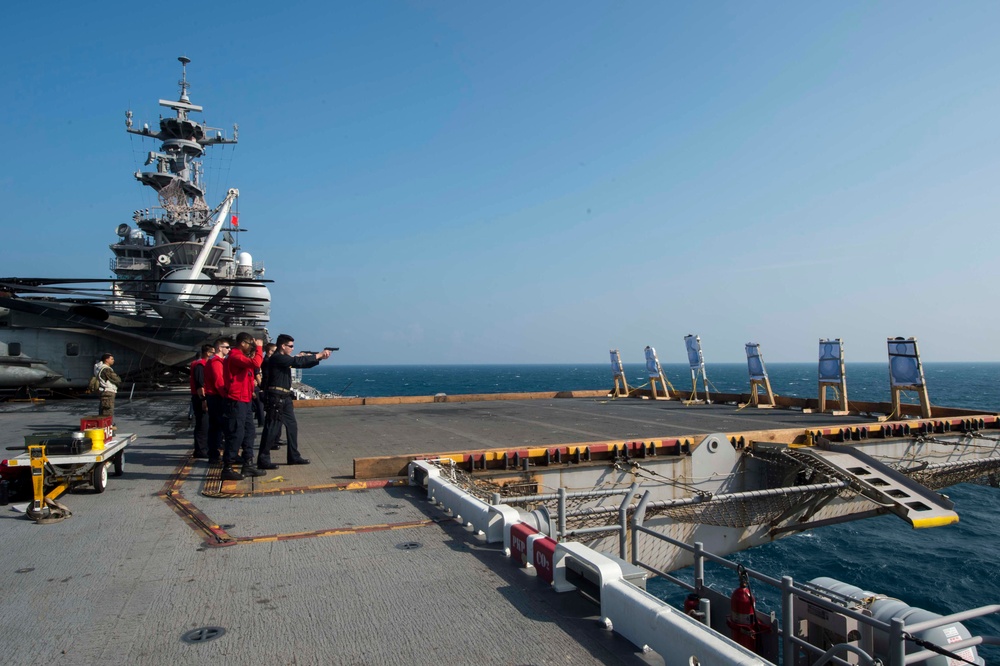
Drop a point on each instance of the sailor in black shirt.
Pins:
(277, 391)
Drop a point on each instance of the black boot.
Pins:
(230, 474)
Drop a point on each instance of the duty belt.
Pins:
(278, 389)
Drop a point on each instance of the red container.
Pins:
(102, 422)
(545, 556)
(519, 533)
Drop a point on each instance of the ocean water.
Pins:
(974, 385)
(943, 570)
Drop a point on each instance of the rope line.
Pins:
(936, 648)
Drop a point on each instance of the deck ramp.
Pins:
(911, 501)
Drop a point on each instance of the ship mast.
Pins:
(177, 176)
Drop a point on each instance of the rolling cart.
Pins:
(59, 461)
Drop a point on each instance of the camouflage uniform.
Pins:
(110, 381)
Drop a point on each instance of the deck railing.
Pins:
(129, 264)
(622, 511)
(791, 593)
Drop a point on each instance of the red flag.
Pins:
(236, 220)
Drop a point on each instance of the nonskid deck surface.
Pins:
(127, 575)
(306, 565)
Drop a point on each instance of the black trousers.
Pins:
(200, 426)
(258, 407)
(240, 433)
(216, 426)
(280, 412)
(271, 432)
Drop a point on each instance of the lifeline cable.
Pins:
(936, 648)
(673, 482)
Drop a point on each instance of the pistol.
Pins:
(333, 349)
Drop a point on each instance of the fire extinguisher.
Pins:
(742, 613)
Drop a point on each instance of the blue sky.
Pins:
(463, 182)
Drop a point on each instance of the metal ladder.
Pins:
(914, 503)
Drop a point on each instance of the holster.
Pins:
(273, 403)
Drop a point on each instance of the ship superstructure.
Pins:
(180, 277)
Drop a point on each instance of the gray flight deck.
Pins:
(338, 435)
(342, 576)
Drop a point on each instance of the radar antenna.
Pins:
(183, 82)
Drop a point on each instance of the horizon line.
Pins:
(642, 363)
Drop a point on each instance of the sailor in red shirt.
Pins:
(239, 370)
(199, 402)
(214, 387)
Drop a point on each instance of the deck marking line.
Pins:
(258, 491)
(335, 531)
(196, 519)
(216, 536)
